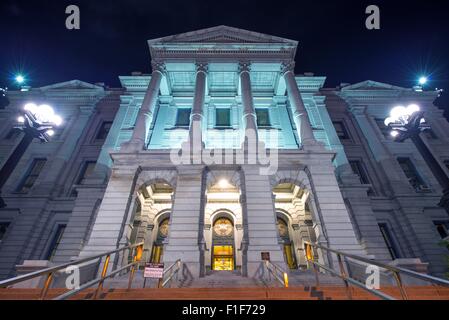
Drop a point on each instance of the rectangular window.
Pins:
(33, 173)
(359, 169)
(104, 130)
(12, 134)
(3, 227)
(383, 128)
(183, 117)
(442, 228)
(263, 118)
(56, 240)
(86, 171)
(394, 253)
(340, 128)
(412, 175)
(222, 117)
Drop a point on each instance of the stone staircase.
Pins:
(236, 293)
(228, 285)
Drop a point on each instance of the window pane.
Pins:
(104, 130)
(30, 179)
(263, 118)
(223, 117)
(442, 228)
(3, 227)
(388, 240)
(410, 172)
(383, 128)
(341, 130)
(183, 117)
(358, 168)
(56, 241)
(86, 172)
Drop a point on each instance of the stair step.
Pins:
(239, 293)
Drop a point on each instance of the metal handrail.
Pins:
(52, 270)
(347, 279)
(276, 271)
(177, 263)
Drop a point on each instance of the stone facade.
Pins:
(110, 179)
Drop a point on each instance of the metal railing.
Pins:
(50, 272)
(172, 272)
(342, 274)
(277, 272)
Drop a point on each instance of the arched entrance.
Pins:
(150, 223)
(289, 247)
(158, 245)
(223, 249)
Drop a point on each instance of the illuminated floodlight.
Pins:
(20, 79)
(422, 80)
(394, 133)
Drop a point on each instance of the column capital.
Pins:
(288, 66)
(201, 67)
(357, 110)
(244, 66)
(158, 66)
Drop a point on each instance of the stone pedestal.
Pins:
(29, 266)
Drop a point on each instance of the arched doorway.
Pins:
(158, 245)
(223, 251)
(289, 248)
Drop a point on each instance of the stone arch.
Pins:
(298, 177)
(213, 176)
(149, 177)
(223, 213)
(162, 215)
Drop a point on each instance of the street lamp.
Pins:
(36, 122)
(408, 122)
(20, 79)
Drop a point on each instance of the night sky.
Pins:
(333, 41)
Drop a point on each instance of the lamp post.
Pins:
(36, 122)
(408, 122)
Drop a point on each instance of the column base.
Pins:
(132, 146)
(312, 145)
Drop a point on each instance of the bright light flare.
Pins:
(20, 79)
(43, 113)
(398, 112)
(394, 133)
(412, 108)
(223, 183)
(50, 132)
(422, 80)
(21, 119)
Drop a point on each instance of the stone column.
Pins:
(261, 221)
(196, 117)
(184, 237)
(249, 113)
(145, 115)
(111, 221)
(299, 111)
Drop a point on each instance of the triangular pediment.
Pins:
(222, 34)
(72, 85)
(371, 85)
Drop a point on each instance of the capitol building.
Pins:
(166, 160)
